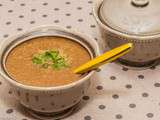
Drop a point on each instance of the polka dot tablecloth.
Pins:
(116, 93)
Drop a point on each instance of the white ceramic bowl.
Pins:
(146, 47)
(48, 99)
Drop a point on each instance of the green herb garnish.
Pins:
(37, 60)
(50, 58)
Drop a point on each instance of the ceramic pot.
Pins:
(48, 99)
(135, 21)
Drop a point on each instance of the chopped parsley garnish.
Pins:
(50, 58)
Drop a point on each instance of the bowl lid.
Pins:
(137, 17)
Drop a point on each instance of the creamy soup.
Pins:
(46, 61)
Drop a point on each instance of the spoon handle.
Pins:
(104, 58)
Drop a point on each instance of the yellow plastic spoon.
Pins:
(104, 58)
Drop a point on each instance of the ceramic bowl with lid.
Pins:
(135, 21)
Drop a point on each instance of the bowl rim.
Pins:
(131, 37)
(61, 87)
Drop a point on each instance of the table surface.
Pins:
(115, 93)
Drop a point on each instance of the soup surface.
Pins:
(46, 61)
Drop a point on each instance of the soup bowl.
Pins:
(134, 21)
(45, 100)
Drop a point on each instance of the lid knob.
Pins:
(140, 3)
